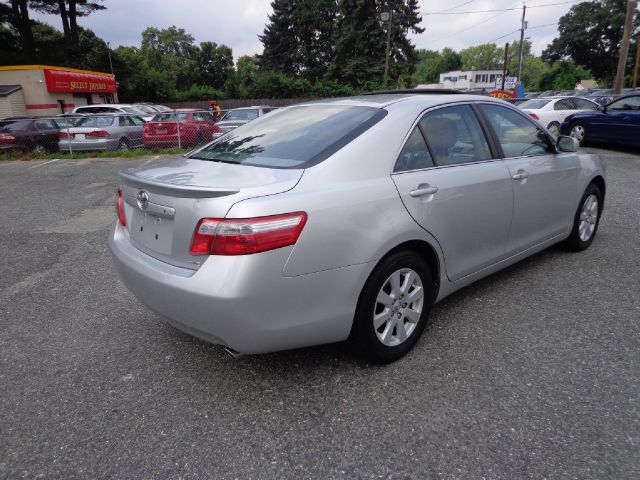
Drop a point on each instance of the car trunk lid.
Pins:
(165, 201)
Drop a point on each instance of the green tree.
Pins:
(213, 64)
(246, 70)
(432, 63)
(482, 57)
(564, 75)
(406, 18)
(590, 35)
(280, 40)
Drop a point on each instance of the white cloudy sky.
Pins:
(237, 23)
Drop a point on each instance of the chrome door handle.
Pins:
(419, 192)
(520, 175)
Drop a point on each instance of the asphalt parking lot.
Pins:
(531, 373)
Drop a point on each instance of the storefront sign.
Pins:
(72, 82)
(502, 94)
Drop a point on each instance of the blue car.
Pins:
(617, 123)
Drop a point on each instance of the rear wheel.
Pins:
(586, 220)
(199, 139)
(393, 307)
(123, 145)
(39, 149)
(554, 128)
(577, 131)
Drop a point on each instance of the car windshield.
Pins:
(534, 104)
(294, 138)
(241, 115)
(146, 109)
(133, 110)
(94, 121)
(170, 117)
(13, 125)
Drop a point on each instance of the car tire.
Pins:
(586, 220)
(554, 129)
(39, 149)
(578, 131)
(123, 146)
(393, 307)
(199, 139)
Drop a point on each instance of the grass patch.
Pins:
(135, 153)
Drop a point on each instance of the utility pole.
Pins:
(504, 64)
(523, 26)
(635, 68)
(109, 53)
(386, 61)
(624, 47)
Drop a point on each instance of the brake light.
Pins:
(120, 209)
(534, 116)
(6, 139)
(243, 236)
(97, 133)
(66, 135)
(146, 128)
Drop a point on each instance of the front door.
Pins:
(544, 183)
(453, 187)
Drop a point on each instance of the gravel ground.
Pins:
(531, 373)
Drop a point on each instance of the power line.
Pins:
(452, 8)
(444, 12)
(468, 28)
(517, 30)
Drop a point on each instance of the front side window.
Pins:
(454, 136)
(564, 104)
(45, 125)
(297, 137)
(517, 135)
(414, 154)
(629, 103)
(137, 121)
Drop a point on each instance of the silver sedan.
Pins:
(348, 219)
(102, 132)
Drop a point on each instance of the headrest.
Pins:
(441, 132)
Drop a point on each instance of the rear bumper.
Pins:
(99, 144)
(243, 302)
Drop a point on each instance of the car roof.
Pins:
(385, 99)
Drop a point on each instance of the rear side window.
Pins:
(414, 154)
(203, 117)
(126, 122)
(564, 104)
(14, 125)
(583, 104)
(454, 136)
(46, 124)
(297, 137)
(517, 135)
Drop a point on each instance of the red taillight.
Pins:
(534, 116)
(120, 208)
(243, 236)
(146, 128)
(97, 133)
(66, 135)
(6, 139)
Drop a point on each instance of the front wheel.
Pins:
(393, 307)
(577, 131)
(586, 220)
(554, 129)
(123, 146)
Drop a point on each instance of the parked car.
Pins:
(617, 123)
(601, 96)
(30, 133)
(113, 108)
(239, 116)
(102, 132)
(146, 108)
(184, 128)
(515, 101)
(551, 112)
(348, 218)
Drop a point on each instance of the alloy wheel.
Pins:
(398, 307)
(577, 132)
(588, 218)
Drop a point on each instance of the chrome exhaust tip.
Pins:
(231, 352)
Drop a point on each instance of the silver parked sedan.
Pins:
(102, 132)
(348, 219)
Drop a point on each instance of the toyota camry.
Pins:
(348, 219)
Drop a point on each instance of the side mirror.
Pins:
(567, 144)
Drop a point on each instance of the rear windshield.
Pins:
(13, 125)
(94, 121)
(169, 117)
(294, 138)
(534, 103)
(146, 109)
(241, 115)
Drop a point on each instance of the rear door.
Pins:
(452, 185)
(136, 131)
(544, 183)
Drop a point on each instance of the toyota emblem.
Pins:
(143, 199)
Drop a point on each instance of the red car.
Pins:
(179, 128)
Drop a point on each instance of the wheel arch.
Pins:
(598, 181)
